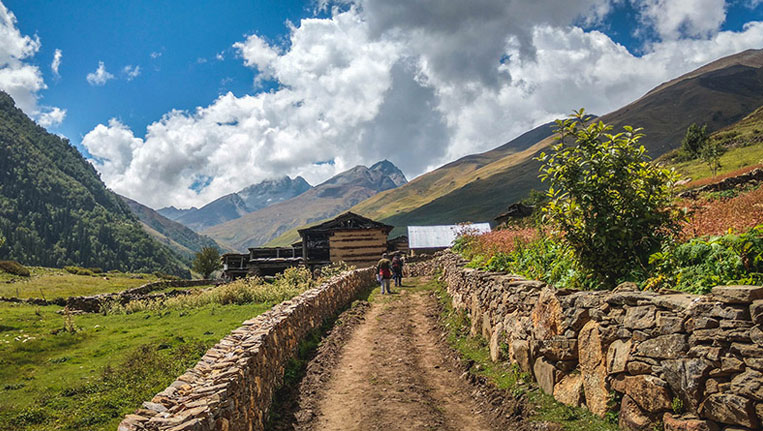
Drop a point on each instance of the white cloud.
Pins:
(100, 76)
(417, 84)
(57, 55)
(155, 54)
(131, 72)
(52, 117)
(23, 81)
(673, 19)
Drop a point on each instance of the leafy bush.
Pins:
(612, 206)
(207, 261)
(15, 268)
(695, 139)
(703, 263)
(163, 276)
(335, 269)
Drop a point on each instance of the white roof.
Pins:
(440, 236)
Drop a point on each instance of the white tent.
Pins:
(430, 237)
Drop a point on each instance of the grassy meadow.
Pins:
(57, 283)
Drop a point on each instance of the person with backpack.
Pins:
(384, 270)
(397, 270)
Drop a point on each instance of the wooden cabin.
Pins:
(349, 238)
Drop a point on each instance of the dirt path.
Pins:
(392, 374)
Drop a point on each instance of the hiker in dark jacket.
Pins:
(397, 270)
(384, 269)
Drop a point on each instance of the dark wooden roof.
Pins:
(347, 221)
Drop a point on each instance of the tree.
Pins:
(694, 140)
(611, 205)
(711, 153)
(207, 261)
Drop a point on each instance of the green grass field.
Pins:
(54, 379)
(731, 160)
(57, 283)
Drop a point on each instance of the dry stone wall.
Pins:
(232, 386)
(688, 362)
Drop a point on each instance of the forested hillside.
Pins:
(56, 211)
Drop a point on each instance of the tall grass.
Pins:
(286, 285)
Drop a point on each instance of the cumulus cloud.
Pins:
(673, 19)
(100, 76)
(407, 81)
(57, 55)
(21, 80)
(131, 72)
(51, 117)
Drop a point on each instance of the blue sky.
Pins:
(205, 98)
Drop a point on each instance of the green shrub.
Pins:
(700, 264)
(95, 270)
(612, 206)
(207, 261)
(76, 270)
(13, 267)
(164, 276)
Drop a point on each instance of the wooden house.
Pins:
(349, 238)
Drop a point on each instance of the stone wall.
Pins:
(92, 303)
(231, 387)
(687, 361)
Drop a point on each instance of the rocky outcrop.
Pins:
(232, 386)
(690, 362)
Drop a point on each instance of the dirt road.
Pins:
(390, 373)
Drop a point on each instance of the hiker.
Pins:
(397, 270)
(384, 271)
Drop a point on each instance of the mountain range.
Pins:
(235, 205)
(717, 94)
(325, 200)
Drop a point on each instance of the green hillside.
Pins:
(479, 188)
(56, 211)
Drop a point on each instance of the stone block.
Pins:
(521, 352)
(669, 323)
(749, 384)
(664, 347)
(638, 367)
(756, 335)
(640, 317)
(737, 294)
(618, 355)
(756, 312)
(686, 377)
(633, 418)
(560, 348)
(495, 343)
(729, 409)
(545, 375)
(547, 315)
(701, 322)
(673, 423)
(649, 392)
(591, 356)
(569, 390)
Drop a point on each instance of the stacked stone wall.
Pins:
(688, 362)
(232, 386)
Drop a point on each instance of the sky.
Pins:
(180, 102)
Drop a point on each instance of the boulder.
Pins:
(664, 347)
(495, 343)
(521, 351)
(749, 384)
(673, 423)
(729, 409)
(569, 390)
(632, 418)
(639, 317)
(686, 377)
(617, 356)
(756, 312)
(737, 294)
(545, 375)
(649, 392)
(593, 369)
(547, 315)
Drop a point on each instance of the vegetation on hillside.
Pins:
(51, 283)
(206, 261)
(720, 242)
(55, 211)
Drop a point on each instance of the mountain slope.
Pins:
(479, 187)
(722, 93)
(235, 205)
(55, 211)
(323, 201)
(178, 237)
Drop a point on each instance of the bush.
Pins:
(164, 276)
(13, 267)
(700, 264)
(207, 261)
(76, 270)
(611, 205)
